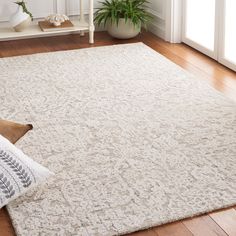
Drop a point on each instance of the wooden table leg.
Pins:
(91, 24)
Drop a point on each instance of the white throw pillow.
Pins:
(18, 173)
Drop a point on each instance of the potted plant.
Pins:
(123, 18)
(22, 17)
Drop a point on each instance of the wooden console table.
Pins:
(80, 25)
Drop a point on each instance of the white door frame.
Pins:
(221, 55)
(173, 21)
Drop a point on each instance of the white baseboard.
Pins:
(157, 30)
(157, 26)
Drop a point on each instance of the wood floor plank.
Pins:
(149, 232)
(173, 229)
(203, 225)
(226, 219)
(205, 68)
(225, 84)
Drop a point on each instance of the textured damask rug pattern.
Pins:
(135, 141)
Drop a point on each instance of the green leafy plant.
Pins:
(22, 3)
(111, 11)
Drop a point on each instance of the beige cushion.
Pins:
(13, 131)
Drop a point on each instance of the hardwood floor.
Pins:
(220, 223)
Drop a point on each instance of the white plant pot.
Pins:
(20, 20)
(124, 30)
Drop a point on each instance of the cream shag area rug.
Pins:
(134, 140)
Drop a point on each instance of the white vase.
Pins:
(20, 20)
(124, 30)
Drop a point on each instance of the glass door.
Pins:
(200, 29)
(227, 39)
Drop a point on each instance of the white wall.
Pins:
(158, 10)
(42, 8)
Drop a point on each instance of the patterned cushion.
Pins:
(18, 173)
